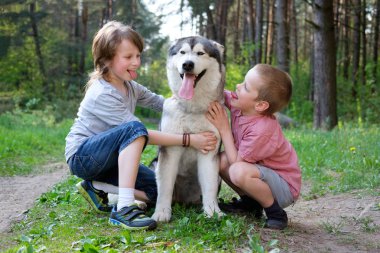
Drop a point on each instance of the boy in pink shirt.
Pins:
(257, 161)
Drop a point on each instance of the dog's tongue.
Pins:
(133, 74)
(187, 88)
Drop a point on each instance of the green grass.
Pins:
(28, 140)
(61, 221)
(344, 159)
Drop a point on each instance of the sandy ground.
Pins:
(348, 222)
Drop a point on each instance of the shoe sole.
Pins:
(114, 222)
(87, 197)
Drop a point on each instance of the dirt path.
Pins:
(17, 194)
(347, 222)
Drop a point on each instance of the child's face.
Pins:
(124, 64)
(245, 97)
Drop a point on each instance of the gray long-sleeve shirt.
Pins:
(104, 107)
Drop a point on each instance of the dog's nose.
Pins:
(188, 65)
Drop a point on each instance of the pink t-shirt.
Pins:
(259, 139)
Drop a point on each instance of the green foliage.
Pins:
(235, 74)
(300, 107)
(61, 49)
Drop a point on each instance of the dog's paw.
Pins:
(162, 215)
(213, 212)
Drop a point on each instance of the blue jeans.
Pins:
(97, 158)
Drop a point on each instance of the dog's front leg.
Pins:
(208, 176)
(166, 175)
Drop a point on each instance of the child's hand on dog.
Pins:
(205, 141)
(217, 115)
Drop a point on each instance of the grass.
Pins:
(28, 140)
(61, 221)
(334, 161)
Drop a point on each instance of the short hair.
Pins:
(276, 89)
(105, 43)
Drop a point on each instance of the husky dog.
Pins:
(185, 175)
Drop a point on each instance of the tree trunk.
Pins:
(364, 42)
(236, 32)
(337, 22)
(221, 27)
(108, 12)
(258, 31)
(84, 39)
(224, 5)
(376, 45)
(346, 36)
(295, 34)
(40, 60)
(70, 52)
(325, 112)
(356, 43)
(248, 29)
(265, 31)
(211, 29)
(270, 38)
(282, 35)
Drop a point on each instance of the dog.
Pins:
(196, 78)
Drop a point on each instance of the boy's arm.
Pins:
(218, 117)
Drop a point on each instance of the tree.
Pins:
(36, 37)
(258, 31)
(282, 35)
(325, 111)
(356, 51)
(346, 44)
(376, 44)
(269, 35)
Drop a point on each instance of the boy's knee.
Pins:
(237, 174)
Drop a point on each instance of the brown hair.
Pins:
(105, 43)
(276, 89)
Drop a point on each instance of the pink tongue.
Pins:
(133, 74)
(187, 88)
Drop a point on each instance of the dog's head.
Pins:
(194, 61)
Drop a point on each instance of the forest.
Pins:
(330, 48)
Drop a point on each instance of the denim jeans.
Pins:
(97, 158)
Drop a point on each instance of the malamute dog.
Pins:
(196, 78)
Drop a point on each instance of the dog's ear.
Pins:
(220, 47)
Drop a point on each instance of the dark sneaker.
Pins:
(243, 205)
(132, 218)
(276, 217)
(98, 199)
(276, 224)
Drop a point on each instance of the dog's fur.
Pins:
(184, 174)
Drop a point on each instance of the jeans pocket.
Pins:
(86, 167)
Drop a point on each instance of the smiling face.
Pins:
(246, 96)
(122, 67)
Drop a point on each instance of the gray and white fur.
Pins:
(184, 174)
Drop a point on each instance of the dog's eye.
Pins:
(182, 52)
(200, 53)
